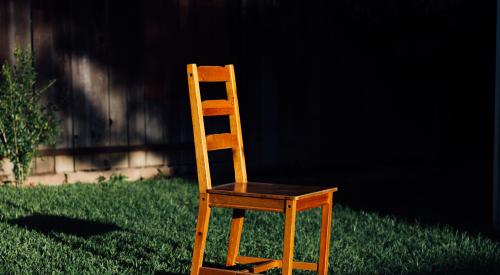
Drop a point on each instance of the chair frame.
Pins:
(209, 197)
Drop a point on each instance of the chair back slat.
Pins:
(213, 74)
(221, 141)
(219, 107)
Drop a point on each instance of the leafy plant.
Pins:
(25, 122)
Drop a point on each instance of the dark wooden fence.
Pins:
(380, 98)
(118, 92)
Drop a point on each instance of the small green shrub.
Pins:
(25, 122)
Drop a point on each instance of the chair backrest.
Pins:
(221, 107)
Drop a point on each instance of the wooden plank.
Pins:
(251, 260)
(114, 149)
(218, 271)
(227, 201)
(64, 163)
(90, 81)
(51, 33)
(118, 160)
(271, 191)
(265, 266)
(289, 236)
(4, 28)
(217, 107)
(200, 236)
(16, 27)
(155, 77)
(240, 171)
(305, 266)
(312, 202)
(200, 140)
(126, 97)
(137, 159)
(213, 74)
(257, 260)
(44, 165)
(221, 141)
(233, 246)
(324, 250)
(154, 158)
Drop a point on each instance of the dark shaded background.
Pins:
(390, 100)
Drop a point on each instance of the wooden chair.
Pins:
(243, 195)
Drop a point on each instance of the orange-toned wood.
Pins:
(289, 237)
(213, 74)
(271, 191)
(217, 107)
(200, 141)
(248, 203)
(251, 260)
(218, 271)
(257, 260)
(220, 141)
(265, 266)
(324, 245)
(234, 238)
(305, 266)
(201, 234)
(313, 202)
(242, 195)
(240, 172)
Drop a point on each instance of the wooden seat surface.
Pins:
(271, 190)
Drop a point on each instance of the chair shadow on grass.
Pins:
(48, 224)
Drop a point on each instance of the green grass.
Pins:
(148, 227)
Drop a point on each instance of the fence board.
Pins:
(16, 31)
(155, 79)
(51, 32)
(4, 26)
(90, 81)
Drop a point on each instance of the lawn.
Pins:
(147, 227)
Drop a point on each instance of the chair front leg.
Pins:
(324, 245)
(235, 236)
(200, 235)
(289, 236)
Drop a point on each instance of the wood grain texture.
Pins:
(90, 82)
(233, 246)
(218, 271)
(258, 260)
(217, 107)
(289, 237)
(200, 142)
(272, 191)
(201, 234)
(15, 26)
(324, 250)
(221, 141)
(313, 201)
(213, 74)
(259, 268)
(44, 165)
(248, 203)
(51, 33)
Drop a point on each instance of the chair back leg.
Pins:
(235, 236)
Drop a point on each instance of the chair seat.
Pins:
(271, 190)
